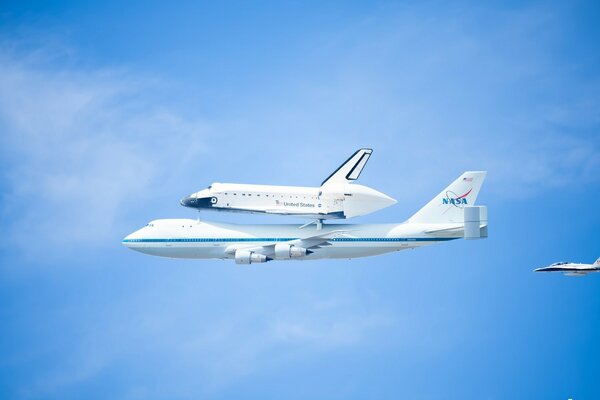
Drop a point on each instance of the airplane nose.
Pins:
(187, 201)
(133, 240)
(127, 240)
(198, 202)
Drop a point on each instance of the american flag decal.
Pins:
(467, 179)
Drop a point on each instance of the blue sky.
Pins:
(111, 112)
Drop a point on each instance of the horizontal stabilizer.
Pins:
(475, 222)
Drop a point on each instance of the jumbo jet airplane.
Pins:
(450, 215)
(337, 197)
(571, 269)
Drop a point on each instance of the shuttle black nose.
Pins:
(197, 202)
(187, 202)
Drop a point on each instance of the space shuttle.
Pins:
(337, 197)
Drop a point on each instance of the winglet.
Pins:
(350, 170)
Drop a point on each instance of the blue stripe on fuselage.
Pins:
(228, 240)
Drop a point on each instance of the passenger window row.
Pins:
(272, 195)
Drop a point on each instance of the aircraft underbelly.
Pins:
(204, 251)
(182, 251)
(351, 252)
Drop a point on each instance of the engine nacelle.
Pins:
(249, 257)
(286, 251)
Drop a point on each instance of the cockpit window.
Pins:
(560, 263)
(209, 187)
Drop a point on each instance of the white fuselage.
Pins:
(573, 269)
(335, 201)
(188, 238)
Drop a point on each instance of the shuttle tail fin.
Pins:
(448, 206)
(350, 170)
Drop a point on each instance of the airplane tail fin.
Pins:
(448, 206)
(597, 263)
(350, 170)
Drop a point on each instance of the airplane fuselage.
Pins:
(332, 202)
(571, 269)
(187, 238)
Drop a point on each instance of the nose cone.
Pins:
(188, 201)
(201, 199)
(135, 241)
(129, 240)
(198, 202)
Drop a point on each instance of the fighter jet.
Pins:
(336, 198)
(571, 269)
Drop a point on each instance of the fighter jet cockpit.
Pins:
(558, 263)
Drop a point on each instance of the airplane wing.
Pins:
(310, 243)
(317, 241)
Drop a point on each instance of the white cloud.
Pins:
(79, 145)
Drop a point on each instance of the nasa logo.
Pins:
(456, 200)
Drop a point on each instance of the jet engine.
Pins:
(286, 251)
(249, 257)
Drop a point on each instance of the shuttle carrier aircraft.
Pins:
(336, 198)
(450, 215)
